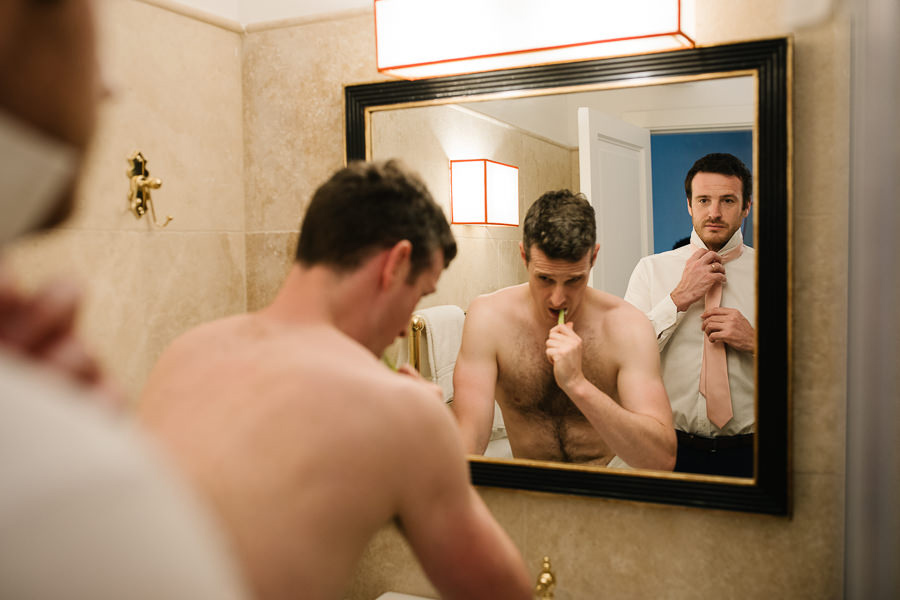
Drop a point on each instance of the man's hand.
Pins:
(564, 348)
(729, 325)
(701, 271)
(40, 326)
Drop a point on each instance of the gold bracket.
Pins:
(546, 581)
(140, 184)
(416, 325)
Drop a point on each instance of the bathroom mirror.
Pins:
(762, 67)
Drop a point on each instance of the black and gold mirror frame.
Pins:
(770, 60)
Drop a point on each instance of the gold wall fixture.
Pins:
(139, 188)
(416, 325)
(546, 581)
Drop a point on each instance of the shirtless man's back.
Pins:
(306, 444)
(581, 391)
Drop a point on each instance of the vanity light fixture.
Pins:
(415, 39)
(484, 192)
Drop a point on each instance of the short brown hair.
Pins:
(562, 225)
(367, 207)
(723, 164)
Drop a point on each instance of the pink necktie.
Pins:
(714, 370)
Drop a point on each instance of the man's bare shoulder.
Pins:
(301, 374)
(619, 319)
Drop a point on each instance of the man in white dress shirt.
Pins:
(672, 288)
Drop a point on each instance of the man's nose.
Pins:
(558, 297)
(715, 211)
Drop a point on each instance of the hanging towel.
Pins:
(440, 344)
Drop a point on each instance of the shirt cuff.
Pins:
(665, 317)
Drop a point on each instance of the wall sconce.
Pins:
(484, 192)
(431, 38)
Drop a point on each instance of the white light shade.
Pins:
(484, 192)
(430, 38)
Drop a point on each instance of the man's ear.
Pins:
(690, 211)
(746, 211)
(594, 255)
(522, 253)
(398, 264)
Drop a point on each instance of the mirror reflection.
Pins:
(628, 151)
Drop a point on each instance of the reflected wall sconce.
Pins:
(415, 39)
(484, 192)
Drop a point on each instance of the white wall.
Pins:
(255, 11)
(223, 8)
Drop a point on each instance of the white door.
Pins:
(614, 165)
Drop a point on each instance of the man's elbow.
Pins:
(472, 441)
(670, 451)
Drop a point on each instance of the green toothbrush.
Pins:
(562, 316)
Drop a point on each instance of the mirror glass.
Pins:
(546, 131)
(639, 211)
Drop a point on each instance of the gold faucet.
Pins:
(546, 581)
(140, 184)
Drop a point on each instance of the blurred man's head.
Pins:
(50, 87)
(49, 75)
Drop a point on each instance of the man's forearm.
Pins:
(475, 438)
(638, 439)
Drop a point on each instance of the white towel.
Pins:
(440, 344)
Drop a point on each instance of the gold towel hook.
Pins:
(140, 184)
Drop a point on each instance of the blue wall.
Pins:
(672, 155)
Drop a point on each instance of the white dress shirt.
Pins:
(680, 335)
(89, 510)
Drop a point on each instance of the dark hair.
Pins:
(723, 164)
(367, 207)
(562, 225)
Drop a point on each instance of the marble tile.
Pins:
(820, 302)
(269, 258)
(293, 112)
(822, 126)
(189, 279)
(472, 272)
(819, 361)
(511, 512)
(720, 22)
(140, 290)
(388, 565)
(603, 548)
(512, 268)
(176, 96)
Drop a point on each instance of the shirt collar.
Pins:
(736, 240)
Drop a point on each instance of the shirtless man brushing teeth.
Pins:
(583, 391)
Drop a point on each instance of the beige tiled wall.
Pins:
(176, 96)
(243, 127)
